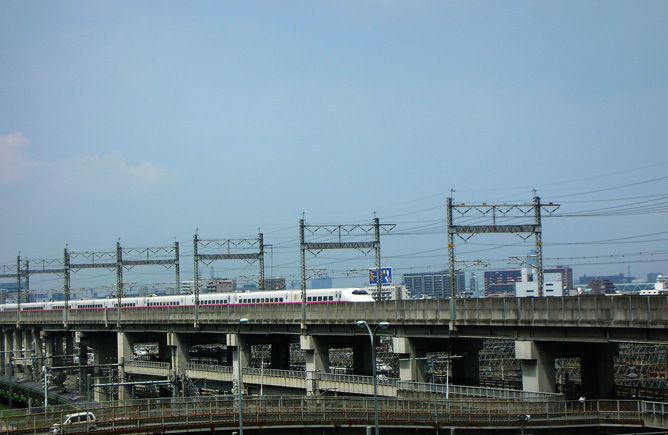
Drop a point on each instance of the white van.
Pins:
(75, 423)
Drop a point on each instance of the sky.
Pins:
(147, 122)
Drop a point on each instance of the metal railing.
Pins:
(277, 373)
(148, 364)
(221, 412)
(209, 368)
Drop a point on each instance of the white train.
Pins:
(266, 297)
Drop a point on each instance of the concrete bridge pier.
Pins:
(8, 347)
(241, 349)
(38, 361)
(412, 359)
(3, 349)
(104, 352)
(125, 352)
(26, 345)
(317, 360)
(596, 366)
(17, 346)
(179, 345)
(537, 360)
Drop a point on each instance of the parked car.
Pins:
(75, 423)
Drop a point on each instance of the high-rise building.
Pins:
(435, 285)
(473, 283)
(501, 283)
(566, 275)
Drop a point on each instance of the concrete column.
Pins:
(317, 360)
(411, 363)
(17, 347)
(69, 348)
(537, 360)
(48, 348)
(125, 347)
(125, 352)
(104, 352)
(39, 354)
(9, 347)
(179, 350)
(3, 348)
(58, 350)
(241, 357)
(27, 346)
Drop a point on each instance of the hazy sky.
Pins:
(144, 121)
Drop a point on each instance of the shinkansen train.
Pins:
(266, 297)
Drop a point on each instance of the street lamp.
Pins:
(373, 361)
(242, 321)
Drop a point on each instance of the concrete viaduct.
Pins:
(543, 329)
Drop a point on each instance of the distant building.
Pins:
(218, 285)
(528, 286)
(501, 283)
(274, 284)
(434, 285)
(388, 292)
(615, 279)
(601, 287)
(188, 287)
(566, 275)
(652, 277)
(321, 282)
(473, 283)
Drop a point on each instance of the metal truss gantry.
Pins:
(341, 232)
(518, 211)
(234, 250)
(74, 261)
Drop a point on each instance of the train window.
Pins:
(360, 291)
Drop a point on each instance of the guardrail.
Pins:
(221, 412)
(209, 368)
(412, 387)
(464, 391)
(148, 364)
(289, 374)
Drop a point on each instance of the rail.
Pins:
(220, 412)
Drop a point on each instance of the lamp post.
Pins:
(373, 361)
(242, 321)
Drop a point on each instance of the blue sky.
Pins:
(144, 121)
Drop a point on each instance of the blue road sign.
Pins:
(386, 274)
